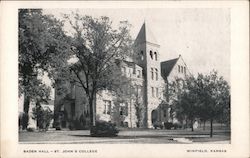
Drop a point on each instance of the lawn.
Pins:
(148, 136)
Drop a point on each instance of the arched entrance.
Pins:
(154, 116)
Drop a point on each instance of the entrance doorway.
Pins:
(154, 116)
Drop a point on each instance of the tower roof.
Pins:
(145, 35)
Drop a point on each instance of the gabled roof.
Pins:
(145, 35)
(167, 66)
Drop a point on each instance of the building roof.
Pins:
(167, 66)
(145, 35)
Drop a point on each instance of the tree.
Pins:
(98, 47)
(42, 116)
(214, 96)
(206, 97)
(42, 48)
(186, 103)
(139, 108)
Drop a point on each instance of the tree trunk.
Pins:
(192, 126)
(211, 128)
(186, 124)
(26, 106)
(204, 124)
(92, 110)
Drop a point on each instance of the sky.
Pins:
(200, 36)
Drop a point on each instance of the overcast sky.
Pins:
(201, 36)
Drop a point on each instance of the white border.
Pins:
(239, 146)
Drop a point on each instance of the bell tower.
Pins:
(147, 50)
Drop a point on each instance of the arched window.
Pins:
(142, 57)
(155, 56)
(153, 91)
(151, 54)
(152, 73)
(156, 74)
(157, 92)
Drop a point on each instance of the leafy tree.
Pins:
(173, 93)
(214, 96)
(206, 97)
(97, 46)
(42, 47)
(186, 103)
(42, 116)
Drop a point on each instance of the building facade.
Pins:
(144, 105)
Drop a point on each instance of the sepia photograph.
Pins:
(124, 79)
(124, 76)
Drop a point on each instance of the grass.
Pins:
(147, 136)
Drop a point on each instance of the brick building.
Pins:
(150, 78)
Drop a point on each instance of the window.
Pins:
(155, 56)
(138, 73)
(130, 72)
(124, 109)
(185, 70)
(157, 92)
(179, 68)
(107, 107)
(151, 54)
(142, 57)
(165, 113)
(123, 70)
(152, 73)
(153, 91)
(156, 74)
(121, 110)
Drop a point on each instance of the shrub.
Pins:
(168, 125)
(79, 124)
(104, 129)
(177, 125)
(57, 119)
(30, 129)
(157, 125)
(43, 117)
(23, 121)
(57, 125)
